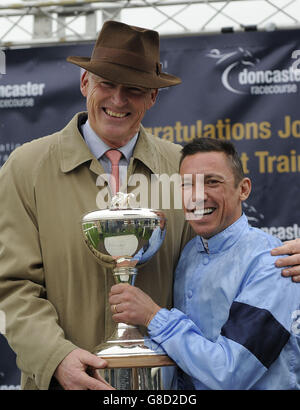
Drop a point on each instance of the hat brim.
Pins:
(125, 75)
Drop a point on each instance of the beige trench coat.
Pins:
(54, 294)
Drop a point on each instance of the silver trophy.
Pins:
(123, 238)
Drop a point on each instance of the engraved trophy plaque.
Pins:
(122, 238)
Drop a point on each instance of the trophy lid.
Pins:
(107, 214)
(120, 209)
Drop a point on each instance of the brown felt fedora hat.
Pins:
(127, 55)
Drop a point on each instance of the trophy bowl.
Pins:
(123, 238)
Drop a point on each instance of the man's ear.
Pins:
(154, 94)
(245, 189)
(84, 82)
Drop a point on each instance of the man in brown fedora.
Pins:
(54, 295)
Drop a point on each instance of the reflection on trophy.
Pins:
(123, 238)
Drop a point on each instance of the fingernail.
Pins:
(286, 272)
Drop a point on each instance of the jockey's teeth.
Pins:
(115, 114)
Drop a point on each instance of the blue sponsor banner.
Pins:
(240, 87)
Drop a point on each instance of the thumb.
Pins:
(92, 360)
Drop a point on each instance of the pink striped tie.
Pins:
(114, 156)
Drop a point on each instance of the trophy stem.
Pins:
(125, 335)
(125, 274)
(126, 347)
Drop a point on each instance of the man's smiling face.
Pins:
(221, 197)
(115, 111)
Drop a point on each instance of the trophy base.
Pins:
(136, 368)
(135, 378)
(127, 348)
(131, 365)
(139, 356)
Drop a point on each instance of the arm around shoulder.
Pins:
(291, 260)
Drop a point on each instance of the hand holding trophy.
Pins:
(123, 238)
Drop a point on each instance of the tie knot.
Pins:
(114, 156)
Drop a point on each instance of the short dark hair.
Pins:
(209, 145)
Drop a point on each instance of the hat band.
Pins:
(126, 58)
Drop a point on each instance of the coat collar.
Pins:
(146, 151)
(73, 149)
(75, 152)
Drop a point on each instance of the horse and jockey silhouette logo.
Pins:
(235, 62)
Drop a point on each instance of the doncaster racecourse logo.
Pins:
(242, 73)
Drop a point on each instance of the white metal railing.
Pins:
(32, 22)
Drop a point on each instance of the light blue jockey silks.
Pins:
(236, 321)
